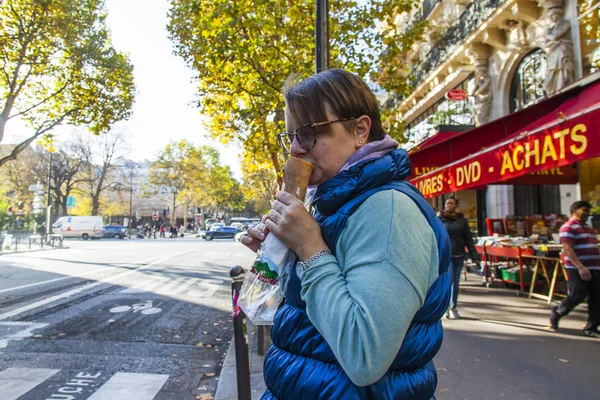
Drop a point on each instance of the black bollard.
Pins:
(240, 337)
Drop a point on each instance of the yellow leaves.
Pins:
(47, 142)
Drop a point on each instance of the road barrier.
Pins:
(240, 337)
(11, 241)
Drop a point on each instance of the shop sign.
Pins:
(418, 171)
(547, 148)
(456, 95)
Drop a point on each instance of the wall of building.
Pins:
(497, 43)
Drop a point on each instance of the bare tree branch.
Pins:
(41, 130)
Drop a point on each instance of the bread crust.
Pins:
(296, 174)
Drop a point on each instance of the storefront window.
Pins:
(589, 32)
(528, 82)
(444, 112)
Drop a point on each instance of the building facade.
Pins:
(506, 55)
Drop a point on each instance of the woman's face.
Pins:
(334, 146)
(451, 205)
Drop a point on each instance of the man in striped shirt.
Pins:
(582, 260)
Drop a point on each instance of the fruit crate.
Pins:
(508, 275)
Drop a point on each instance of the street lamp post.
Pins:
(322, 35)
(49, 203)
(132, 167)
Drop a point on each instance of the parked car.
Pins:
(79, 227)
(115, 231)
(238, 225)
(239, 236)
(208, 223)
(221, 232)
(215, 226)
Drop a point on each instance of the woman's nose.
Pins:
(296, 150)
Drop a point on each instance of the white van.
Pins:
(83, 227)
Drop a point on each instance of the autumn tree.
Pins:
(244, 51)
(67, 175)
(99, 154)
(58, 66)
(17, 175)
(219, 189)
(176, 170)
(259, 184)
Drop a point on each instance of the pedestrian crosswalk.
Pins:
(175, 285)
(130, 386)
(18, 382)
(15, 382)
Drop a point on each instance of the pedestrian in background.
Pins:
(461, 238)
(362, 311)
(582, 261)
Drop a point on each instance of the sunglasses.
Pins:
(305, 135)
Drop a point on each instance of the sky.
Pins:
(163, 109)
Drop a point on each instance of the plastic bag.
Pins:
(264, 285)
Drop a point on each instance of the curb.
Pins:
(227, 386)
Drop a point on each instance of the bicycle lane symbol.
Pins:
(143, 308)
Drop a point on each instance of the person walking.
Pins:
(582, 261)
(363, 305)
(460, 236)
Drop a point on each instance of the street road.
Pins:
(116, 319)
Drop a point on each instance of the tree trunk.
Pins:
(99, 188)
(173, 214)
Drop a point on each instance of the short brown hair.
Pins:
(345, 93)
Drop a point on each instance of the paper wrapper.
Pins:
(262, 289)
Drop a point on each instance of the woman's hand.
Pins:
(294, 226)
(255, 236)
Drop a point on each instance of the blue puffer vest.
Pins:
(300, 363)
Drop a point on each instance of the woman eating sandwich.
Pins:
(361, 318)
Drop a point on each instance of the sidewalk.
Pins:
(227, 388)
(502, 348)
(24, 248)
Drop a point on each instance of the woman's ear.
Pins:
(363, 128)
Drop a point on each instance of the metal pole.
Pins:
(240, 337)
(130, 200)
(322, 35)
(49, 203)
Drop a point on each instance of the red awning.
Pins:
(442, 150)
(556, 140)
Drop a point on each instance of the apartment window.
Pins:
(528, 82)
(443, 112)
(589, 32)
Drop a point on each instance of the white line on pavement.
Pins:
(73, 277)
(83, 288)
(123, 385)
(15, 382)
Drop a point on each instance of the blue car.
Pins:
(115, 231)
(222, 232)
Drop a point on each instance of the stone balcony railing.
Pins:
(428, 6)
(475, 14)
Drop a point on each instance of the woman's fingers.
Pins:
(275, 216)
(256, 233)
(286, 198)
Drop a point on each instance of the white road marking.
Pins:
(84, 288)
(129, 386)
(167, 289)
(15, 382)
(187, 284)
(73, 277)
(25, 333)
(55, 280)
(207, 289)
(146, 286)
